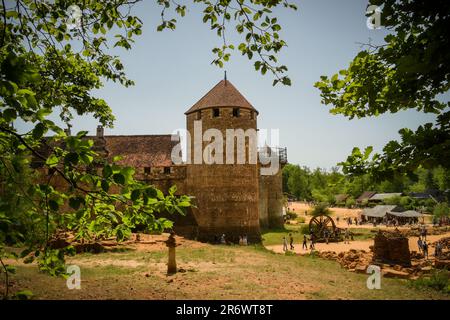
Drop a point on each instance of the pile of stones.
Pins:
(415, 231)
(353, 260)
(359, 260)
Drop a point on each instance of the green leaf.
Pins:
(107, 171)
(53, 205)
(151, 192)
(39, 130)
(52, 161)
(9, 115)
(75, 202)
(135, 194)
(105, 185)
(71, 158)
(23, 295)
(10, 269)
(24, 253)
(119, 178)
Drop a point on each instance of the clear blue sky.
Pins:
(172, 71)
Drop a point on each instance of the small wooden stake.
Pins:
(172, 264)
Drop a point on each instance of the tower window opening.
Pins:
(199, 115)
(252, 116)
(167, 170)
(236, 112)
(216, 113)
(147, 170)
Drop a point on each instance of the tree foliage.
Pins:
(409, 71)
(254, 22)
(322, 186)
(53, 55)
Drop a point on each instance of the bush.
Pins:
(304, 229)
(301, 219)
(395, 200)
(321, 208)
(438, 280)
(441, 210)
(350, 202)
(290, 215)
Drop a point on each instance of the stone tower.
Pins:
(271, 192)
(226, 194)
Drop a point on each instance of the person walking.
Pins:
(419, 245)
(424, 233)
(425, 249)
(326, 234)
(346, 236)
(311, 245)
(244, 240)
(305, 243)
(223, 240)
(291, 241)
(285, 247)
(438, 250)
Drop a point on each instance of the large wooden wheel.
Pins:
(318, 225)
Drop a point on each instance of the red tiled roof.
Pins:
(136, 151)
(141, 150)
(224, 94)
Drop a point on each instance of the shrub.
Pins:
(304, 229)
(321, 208)
(395, 200)
(290, 215)
(438, 280)
(441, 210)
(350, 202)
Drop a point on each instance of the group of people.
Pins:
(350, 221)
(438, 249)
(304, 243)
(312, 240)
(243, 241)
(423, 247)
(422, 241)
(423, 244)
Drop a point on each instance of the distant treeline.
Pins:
(321, 185)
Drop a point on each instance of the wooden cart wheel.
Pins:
(318, 224)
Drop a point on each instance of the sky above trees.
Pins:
(172, 71)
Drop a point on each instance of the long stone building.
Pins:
(230, 199)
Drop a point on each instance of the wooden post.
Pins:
(172, 264)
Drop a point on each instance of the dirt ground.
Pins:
(138, 271)
(303, 210)
(358, 245)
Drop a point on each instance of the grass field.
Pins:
(274, 237)
(212, 272)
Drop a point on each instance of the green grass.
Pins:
(215, 272)
(362, 233)
(275, 236)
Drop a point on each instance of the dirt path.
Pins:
(358, 245)
(303, 210)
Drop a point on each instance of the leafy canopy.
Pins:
(53, 55)
(409, 71)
